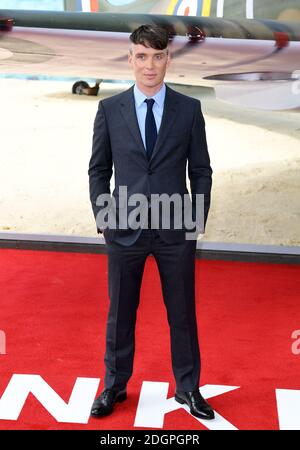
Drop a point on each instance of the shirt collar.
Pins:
(140, 97)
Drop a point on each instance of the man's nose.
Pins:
(149, 63)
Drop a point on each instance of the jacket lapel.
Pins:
(129, 114)
(127, 108)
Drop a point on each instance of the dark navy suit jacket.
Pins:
(118, 147)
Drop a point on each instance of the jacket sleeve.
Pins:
(199, 169)
(100, 165)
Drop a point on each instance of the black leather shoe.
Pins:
(104, 404)
(197, 404)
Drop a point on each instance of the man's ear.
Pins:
(129, 56)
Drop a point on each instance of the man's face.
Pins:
(149, 65)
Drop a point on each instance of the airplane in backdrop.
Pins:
(247, 50)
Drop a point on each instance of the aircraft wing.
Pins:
(249, 62)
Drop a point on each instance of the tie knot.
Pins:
(150, 102)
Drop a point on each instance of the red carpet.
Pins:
(53, 313)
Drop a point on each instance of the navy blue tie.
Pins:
(150, 128)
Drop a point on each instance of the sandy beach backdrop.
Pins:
(46, 135)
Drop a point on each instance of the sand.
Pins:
(45, 148)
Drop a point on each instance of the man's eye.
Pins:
(140, 57)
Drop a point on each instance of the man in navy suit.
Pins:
(149, 134)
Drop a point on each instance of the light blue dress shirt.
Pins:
(141, 108)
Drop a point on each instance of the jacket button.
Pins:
(150, 172)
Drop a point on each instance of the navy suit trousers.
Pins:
(176, 265)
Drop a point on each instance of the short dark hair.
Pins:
(150, 36)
